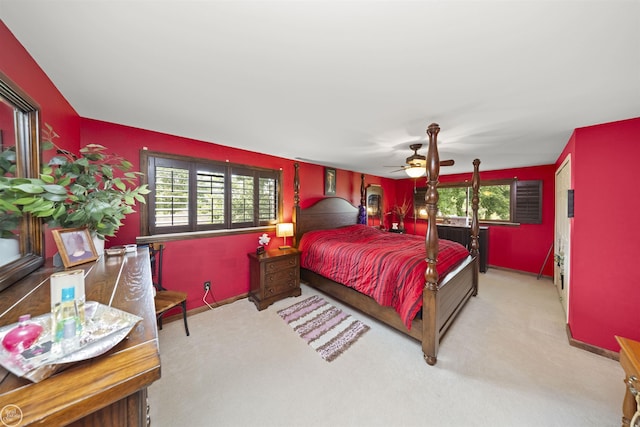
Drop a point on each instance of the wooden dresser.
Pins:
(274, 275)
(462, 235)
(108, 390)
(630, 362)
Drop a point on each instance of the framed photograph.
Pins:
(75, 246)
(329, 182)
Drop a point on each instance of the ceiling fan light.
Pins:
(416, 171)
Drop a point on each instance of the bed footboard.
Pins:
(441, 307)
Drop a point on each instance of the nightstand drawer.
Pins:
(277, 266)
(280, 288)
(281, 276)
(281, 281)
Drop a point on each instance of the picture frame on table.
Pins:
(75, 246)
(329, 182)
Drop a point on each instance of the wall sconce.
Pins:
(284, 230)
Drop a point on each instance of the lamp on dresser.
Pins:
(284, 230)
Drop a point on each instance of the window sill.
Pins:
(156, 238)
(481, 223)
(494, 223)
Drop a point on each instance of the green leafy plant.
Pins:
(95, 189)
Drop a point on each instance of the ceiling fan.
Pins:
(416, 163)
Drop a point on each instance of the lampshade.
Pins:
(284, 229)
(416, 171)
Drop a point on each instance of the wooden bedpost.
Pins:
(430, 338)
(475, 225)
(362, 210)
(296, 204)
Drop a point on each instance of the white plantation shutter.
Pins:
(210, 196)
(171, 197)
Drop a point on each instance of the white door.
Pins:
(562, 246)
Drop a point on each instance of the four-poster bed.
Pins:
(442, 297)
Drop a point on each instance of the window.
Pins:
(191, 194)
(500, 201)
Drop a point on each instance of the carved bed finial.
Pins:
(430, 295)
(296, 204)
(475, 201)
(431, 198)
(296, 185)
(475, 225)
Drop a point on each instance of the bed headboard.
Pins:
(331, 212)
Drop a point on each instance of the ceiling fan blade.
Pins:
(450, 162)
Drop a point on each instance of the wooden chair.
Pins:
(164, 298)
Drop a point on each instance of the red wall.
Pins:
(222, 260)
(604, 293)
(20, 68)
(519, 247)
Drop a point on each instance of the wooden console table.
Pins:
(108, 390)
(630, 361)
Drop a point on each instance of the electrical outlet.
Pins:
(207, 285)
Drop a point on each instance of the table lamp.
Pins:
(284, 230)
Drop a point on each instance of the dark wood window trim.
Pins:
(525, 200)
(150, 234)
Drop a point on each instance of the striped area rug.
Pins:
(327, 329)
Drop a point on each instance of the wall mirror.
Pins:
(21, 240)
(374, 205)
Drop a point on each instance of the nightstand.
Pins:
(275, 275)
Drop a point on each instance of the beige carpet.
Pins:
(504, 362)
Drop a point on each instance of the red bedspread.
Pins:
(388, 267)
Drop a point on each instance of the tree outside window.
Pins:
(455, 201)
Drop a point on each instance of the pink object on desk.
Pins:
(22, 336)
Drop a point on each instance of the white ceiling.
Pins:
(349, 84)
